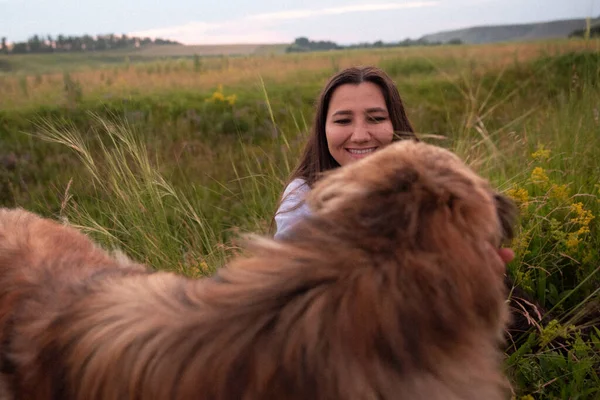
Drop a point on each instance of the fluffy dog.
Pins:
(391, 289)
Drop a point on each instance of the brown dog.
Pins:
(392, 289)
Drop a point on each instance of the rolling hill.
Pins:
(513, 32)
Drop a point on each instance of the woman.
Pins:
(358, 112)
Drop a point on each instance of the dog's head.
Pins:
(414, 194)
(430, 226)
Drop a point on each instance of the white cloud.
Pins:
(307, 13)
(261, 28)
(233, 31)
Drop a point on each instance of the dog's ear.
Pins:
(507, 214)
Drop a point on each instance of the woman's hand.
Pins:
(507, 255)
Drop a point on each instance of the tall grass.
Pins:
(136, 208)
(556, 183)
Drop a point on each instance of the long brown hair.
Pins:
(316, 158)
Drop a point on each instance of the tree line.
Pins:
(303, 44)
(593, 31)
(63, 43)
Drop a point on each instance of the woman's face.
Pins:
(357, 122)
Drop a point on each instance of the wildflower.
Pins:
(572, 241)
(539, 176)
(559, 192)
(524, 280)
(219, 97)
(231, 99)
(541, 154)
(554, 330)
(520, 244)
(203, 266)
(582, 217)
(556, 230)
(519, 195)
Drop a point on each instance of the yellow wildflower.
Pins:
(572, 241)
(524, 280)
(559, 192)
(539, 176)
(231, 99)
(541, 154)
(583, 217)
(520, 244)
(218, 97)
(519, 195)
(554, 330)
(556, 230)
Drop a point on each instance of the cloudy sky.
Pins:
(274, 21)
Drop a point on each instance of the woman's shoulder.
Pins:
(296, 187)
(294, 194)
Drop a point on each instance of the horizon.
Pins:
(266, 22)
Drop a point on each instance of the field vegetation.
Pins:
(172, 158)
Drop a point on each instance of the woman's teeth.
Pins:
(361, 151)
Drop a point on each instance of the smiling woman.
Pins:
(358, 112)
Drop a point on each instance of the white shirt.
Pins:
(293, 195)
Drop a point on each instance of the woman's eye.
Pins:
(343, 121)
(377, 119)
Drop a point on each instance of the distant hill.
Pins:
(514, 32)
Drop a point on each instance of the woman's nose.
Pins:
(360, 133)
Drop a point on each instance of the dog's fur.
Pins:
(391, 289)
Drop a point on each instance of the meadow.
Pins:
(172, 158)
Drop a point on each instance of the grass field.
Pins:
(171, 158)
(60, 62)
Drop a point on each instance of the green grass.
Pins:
(174, 177)
(58, 62)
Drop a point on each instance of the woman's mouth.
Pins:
(360, 153)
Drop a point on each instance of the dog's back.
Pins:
(44, 266)
(31, 247)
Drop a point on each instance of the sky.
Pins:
(274, 21)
